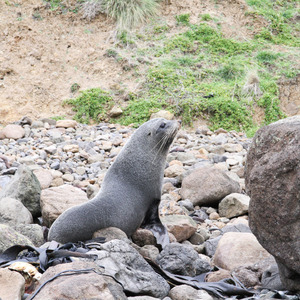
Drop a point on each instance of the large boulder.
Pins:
(10, 237)
(183, 260)
(123, 262)
(273, 184)
(24, 186)
(81, 285)
(13, 212)
(12, 284)
(55, 200)
(236, 249)
(208, 186)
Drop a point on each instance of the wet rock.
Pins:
(207, 186)
(182, 259)
(272, 181)
(54, 201)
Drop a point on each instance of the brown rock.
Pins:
(66, 123)
(12, 285)
(143, 237)
(272, 181)
(13, 131)
(163, 114)
(218, 275)
(44, 177)
(207, 186)
(236, 249)
(54, 201)
(182, 227)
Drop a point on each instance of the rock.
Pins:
(115, 111)
(186, 292)
(33, 232)
(237, 249)
(143, 237)
(71, 148)
(182, 227)
(125, 263)
(44, 177)
(218, 275)
(207, 186)
(13, 131)
(149, 251)
(55, 200)
(110, 233)
(66, 123)
(233, 147)
(88, 285)
(9, 237)
(24, 186)
(182, 260)
(143, 298)
(234, 205)
(163, 114)
(272, 181)
(13, 212)
(12, 285)
(174, 171)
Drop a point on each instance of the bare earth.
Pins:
(42, 52)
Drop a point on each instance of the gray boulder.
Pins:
(273, 183)
(13, 212)
(182, 259)
(208, 186)
(33, 232)
(10, 237)
(123, 262)
(84, 285)
(24, 186)
(234, 205)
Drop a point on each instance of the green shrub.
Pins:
(206, 17)
(183, 19)
(91, 104)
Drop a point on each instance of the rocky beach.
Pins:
(48, 166)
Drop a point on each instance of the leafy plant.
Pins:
(91, 104)
(183, 19)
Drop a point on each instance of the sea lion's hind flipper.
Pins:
(152, 222)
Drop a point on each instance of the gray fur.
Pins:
(130, 188)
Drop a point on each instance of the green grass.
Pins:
(199, 73)
(279, 14)
(91, 104)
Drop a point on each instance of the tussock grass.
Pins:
(127, 13)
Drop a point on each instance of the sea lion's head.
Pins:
(158, 134)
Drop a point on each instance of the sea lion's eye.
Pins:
(162, 125)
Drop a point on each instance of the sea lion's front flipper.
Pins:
(152, 222)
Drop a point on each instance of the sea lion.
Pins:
(131, 190)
